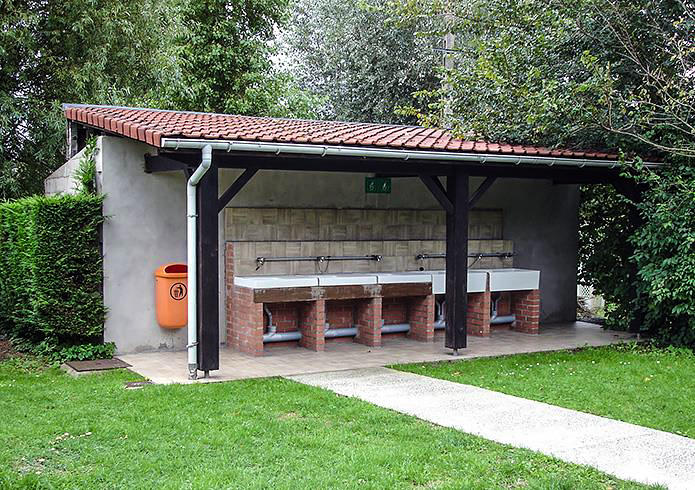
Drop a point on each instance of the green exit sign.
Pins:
(377, 185)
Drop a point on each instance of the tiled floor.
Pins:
(170, 367)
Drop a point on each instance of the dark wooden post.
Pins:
(208, 299)
(457, 261)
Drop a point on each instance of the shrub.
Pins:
(51, 270)
(664, 253)
(57, 354)
(641, 257)
(86, 173)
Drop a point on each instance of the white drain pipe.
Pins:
(192, 259)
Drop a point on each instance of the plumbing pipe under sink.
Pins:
(272, 335)
(496, 319)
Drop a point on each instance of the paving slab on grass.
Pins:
(78, 368)
(628, 451)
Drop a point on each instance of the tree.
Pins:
(361, 65)
(591, 74)
(76, 51)
(207, 55)
(224, 56)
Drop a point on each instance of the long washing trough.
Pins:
(496, 297)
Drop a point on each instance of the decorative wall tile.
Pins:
(397, 235)
(297, 217)
(430, 217)
(311, 216)
(264, 249)
(406, 216)
(439, 232)
(327, 216)
(284, 217)
(308, 249)
(376, 248)
(279, 249)
(283, 232)
(365, 232)
(305, 268)
(269, 216)
(336, 248)
(401, 249)
(350, 248)
(322, 248)
(378, 216)
(398, 255)
(294, 249)
(351, 216)
(338, 232)
(253, 224)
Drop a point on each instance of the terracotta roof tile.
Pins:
(151, 125)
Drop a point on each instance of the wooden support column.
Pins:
(457, 261)
(208, 298)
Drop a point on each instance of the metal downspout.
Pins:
(192, 259)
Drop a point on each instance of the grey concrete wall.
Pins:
(146, 228)
(325, 190)
(63, 181)
(542, 220)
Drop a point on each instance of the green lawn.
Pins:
(649, 387)
(60, 432)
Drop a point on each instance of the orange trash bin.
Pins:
(171, 295)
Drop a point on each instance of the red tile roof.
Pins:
(151, 125)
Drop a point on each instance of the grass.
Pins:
(636, 384)
(90, 432)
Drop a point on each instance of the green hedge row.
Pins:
(51, 269)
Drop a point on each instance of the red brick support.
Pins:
(421, 318)
(526, 305)
(229, 291)
(340, 313)
(285, 316)
(369, 322)
(247, 322)
(479, 314)
(312, 321)
(394, 310)
(504, 304)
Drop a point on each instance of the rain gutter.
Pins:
(383, 153)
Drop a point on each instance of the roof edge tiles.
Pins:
(157, 126)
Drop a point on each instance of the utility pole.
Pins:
(449, 42)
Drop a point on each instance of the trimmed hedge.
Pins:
(51, 269)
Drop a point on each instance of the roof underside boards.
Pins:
(152, 125)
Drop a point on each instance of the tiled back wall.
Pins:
(396, 234)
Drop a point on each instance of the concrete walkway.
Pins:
(627, 451)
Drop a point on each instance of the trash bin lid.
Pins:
(174, 270)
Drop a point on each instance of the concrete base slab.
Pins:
(171, 367)
(625, 450)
